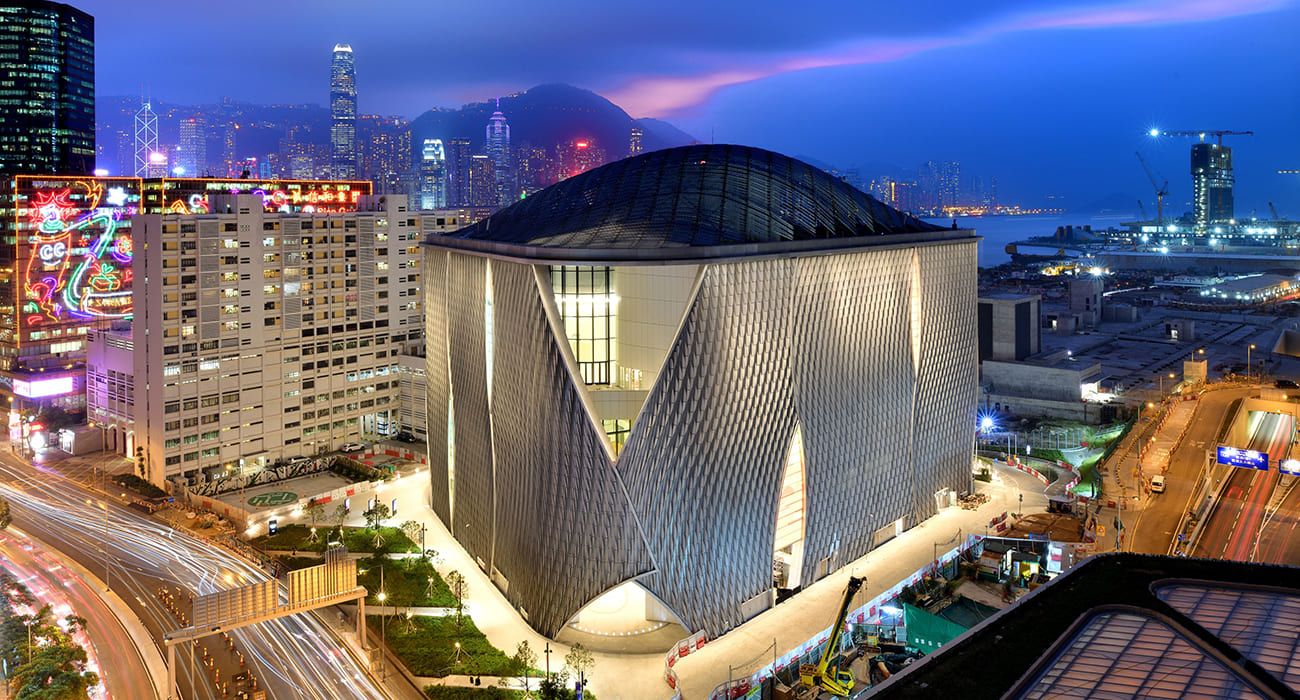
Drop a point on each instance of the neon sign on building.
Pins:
(78, 252)
(193, 196)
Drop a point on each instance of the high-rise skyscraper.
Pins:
(941, 183)
(383, 152)
(47, 122)
(497, 146)
(433, 175)
(192, 152)
(482, 182)
(146, 139)
(343, 112)
(577, 156)
(459, 158)
(1211, 183)
(634, 141)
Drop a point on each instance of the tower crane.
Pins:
(1161, 191)
(1218, 134)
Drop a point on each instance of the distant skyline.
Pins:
(1052, 99)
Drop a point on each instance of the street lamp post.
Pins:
(1162, 385)
(383, 628)
(1250, 371)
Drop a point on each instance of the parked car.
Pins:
(353, 447)
(1286, 384)
(1158, 483)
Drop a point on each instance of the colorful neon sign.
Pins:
(288, 201)
(80, 258)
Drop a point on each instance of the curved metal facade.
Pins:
(830, 342)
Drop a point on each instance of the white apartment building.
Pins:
(110, 385)
(262, 337)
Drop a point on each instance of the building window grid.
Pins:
(585, 297)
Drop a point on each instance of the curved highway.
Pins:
(68, 594)
(295, 657)
(1238, 516)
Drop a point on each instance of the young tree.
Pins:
(456, 582)
(526, 658)
(340, 517)
(579, 659)
(411, 529)
(314, 510)
(373, 517)
(5, 517)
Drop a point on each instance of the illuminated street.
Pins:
(292, 658)
(1237, 517)
(127, 674)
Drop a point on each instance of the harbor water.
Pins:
(998, 231)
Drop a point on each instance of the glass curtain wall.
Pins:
(586, 300)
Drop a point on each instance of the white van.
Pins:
(1158, 483)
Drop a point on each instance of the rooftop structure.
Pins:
(1128, 625)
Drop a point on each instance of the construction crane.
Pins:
(1274, 210)
(1161, 191)
(834, 680)
(1143, 209)
(1218, 134)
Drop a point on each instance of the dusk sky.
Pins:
(1052, 98)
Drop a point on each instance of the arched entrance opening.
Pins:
(787, 542)
(625, 618)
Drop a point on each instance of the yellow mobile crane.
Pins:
(835, 680)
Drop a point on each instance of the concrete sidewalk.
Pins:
(1145, 452)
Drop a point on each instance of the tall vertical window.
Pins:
(586, 300)
(617, 432)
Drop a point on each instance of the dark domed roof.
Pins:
(674, 200)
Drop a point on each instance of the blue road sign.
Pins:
(1289, 466)
(1243, 458)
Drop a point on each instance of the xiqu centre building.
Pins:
(710, 372)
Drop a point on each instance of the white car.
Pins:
(352, 447)
(1158, 484)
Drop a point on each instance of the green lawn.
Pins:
(428, 649)
(1086, 470)
(357, 539)
(407, 583)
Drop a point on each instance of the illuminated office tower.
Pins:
(192, 154)
(47, 124)
(343, 112)
(459, 157)
(634, 141)
(384, 152)
(433, 175)
(498, 151)
(146, 139)
(1211, 183)
(577, 156)
(482, 182)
